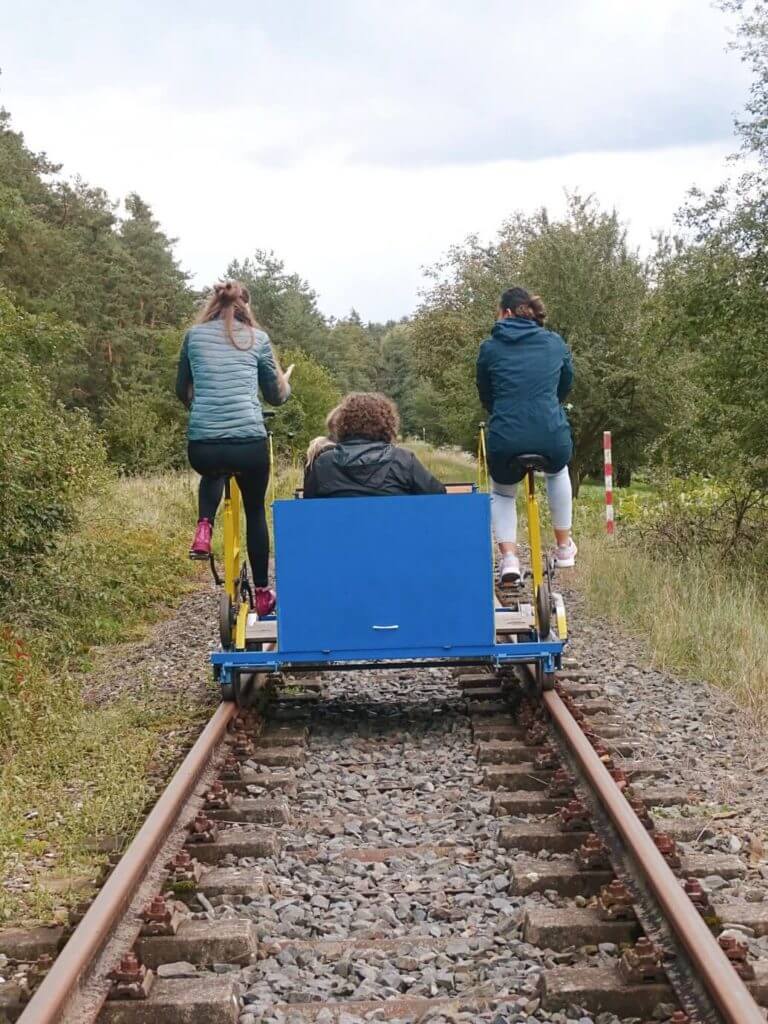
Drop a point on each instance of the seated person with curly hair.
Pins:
(365, 461)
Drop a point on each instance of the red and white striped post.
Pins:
(608, 471)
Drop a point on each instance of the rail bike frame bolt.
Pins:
(184, 868)
(76, 914)
(736, 951)
(242, 747)
(561, 783)
(592, 855)
(217, 798)
(130, 980)
(202, 829)
(547, 757)
(667, 847)
(642, 962)
(160, 918)
(574, 817)
(698, 897)
(40, 968)
(640, 808)
(230, 770)
(536, 735)
(615, 902)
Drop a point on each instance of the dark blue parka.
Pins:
(524, 373)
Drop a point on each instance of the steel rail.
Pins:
(726, 989)
(48, 1004)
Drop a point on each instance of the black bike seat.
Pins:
(536, 462)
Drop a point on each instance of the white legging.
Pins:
(504, 506)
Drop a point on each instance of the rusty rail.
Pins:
(726, 989)
(71, 967)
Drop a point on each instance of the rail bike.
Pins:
(383, 583)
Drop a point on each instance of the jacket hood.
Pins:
(514, 328)
(363, 460)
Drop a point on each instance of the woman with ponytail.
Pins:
(524, 372)
(225, 361)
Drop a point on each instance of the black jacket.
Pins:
(359, 468)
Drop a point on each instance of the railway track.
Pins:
(409, 846)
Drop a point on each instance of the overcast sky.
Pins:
(360, 138)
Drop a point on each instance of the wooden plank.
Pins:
(507, 623)
(513, 622)
(261, 631)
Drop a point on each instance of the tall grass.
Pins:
(74, 771)
(695, 617)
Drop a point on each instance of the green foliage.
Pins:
(303, 417)
(49, 457)
(712, 305)
(84, 764)
(65, 251)
(284, 303)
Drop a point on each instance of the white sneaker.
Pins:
(509, 574)
(565, 555)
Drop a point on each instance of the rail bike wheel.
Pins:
(226, 620)
(544, 610)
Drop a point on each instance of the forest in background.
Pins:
(670, 351)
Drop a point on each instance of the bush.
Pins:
(144, 430)
(314, 395)
(49, 458)
(697, 513)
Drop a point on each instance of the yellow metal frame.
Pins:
(561, 619)
(483, 483)
(534, 541)
(233, 552)
(231, 513)
(534, 534)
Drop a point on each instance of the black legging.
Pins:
(248, 461)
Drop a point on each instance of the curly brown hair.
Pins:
(366, 414)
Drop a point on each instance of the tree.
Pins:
(45, 451)
(352, 353)
(398, 377)
(314, 394)
(283, 302)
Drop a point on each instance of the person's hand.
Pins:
(289, 371)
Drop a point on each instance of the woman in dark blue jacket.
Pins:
(524, 373)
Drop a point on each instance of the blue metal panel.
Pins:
(368, 576)
(547, 652)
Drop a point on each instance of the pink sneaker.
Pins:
(201, 545)
(264, 601)
(565, 555)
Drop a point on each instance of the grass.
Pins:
(75, 773)
(693, 619)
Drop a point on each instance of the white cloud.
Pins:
(360, 138)
(359, 233)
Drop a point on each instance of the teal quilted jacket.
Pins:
(220, 383)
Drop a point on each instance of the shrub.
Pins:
(698, 513)
(49, 457)
(143, 429)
